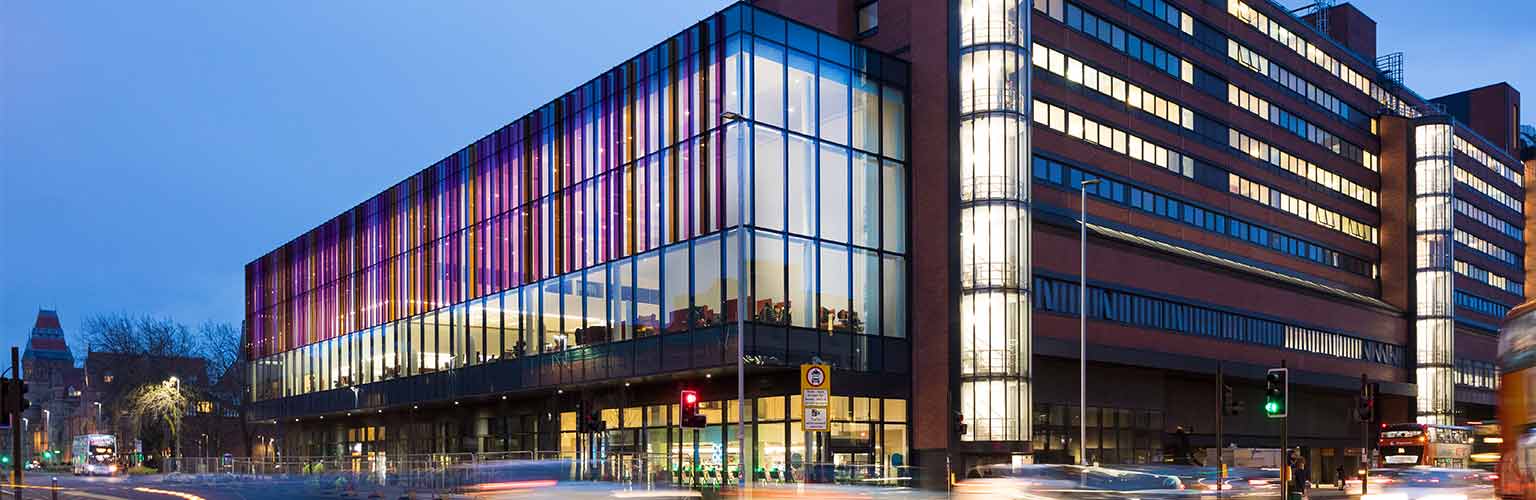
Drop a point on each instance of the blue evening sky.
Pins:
(149, 150)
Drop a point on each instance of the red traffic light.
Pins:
(690, 410)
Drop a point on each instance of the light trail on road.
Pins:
(187, 496)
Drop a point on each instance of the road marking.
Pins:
(97, 496)
(187, 496)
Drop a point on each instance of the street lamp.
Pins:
(47, 442)
(1082, 322)
(741, 321)
(354, 396)
(98, 415)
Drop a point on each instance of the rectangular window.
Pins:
(768, 178)
(833, 300)
(802, 93)
(771, 302)
(869, 18)
(801, 183)
(834, 192)
(834, 103)
(768, 83)
(802, 280)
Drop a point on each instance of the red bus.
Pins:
(1407, 445)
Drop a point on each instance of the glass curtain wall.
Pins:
(994, 218)
(1434, 323)
(627, 210)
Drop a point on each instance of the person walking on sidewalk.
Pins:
(1338, 476)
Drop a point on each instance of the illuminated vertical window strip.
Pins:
(1434, 306)
(995, 221)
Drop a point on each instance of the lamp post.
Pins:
(98, 415)
(354, 397)
(1082, 322)
(742, 473)
(47, 440)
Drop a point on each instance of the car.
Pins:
(1065, 481)
(1427, 483)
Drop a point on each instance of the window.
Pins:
(768, 178)
(768, 83)
(802, 184)
(107, 379)
(205, 407)
(802, 93)
(869, 18)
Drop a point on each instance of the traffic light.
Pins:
(13, 398)
(1276, 392)
(1365, 409)
(592, 421)
(960, 427)
(1229, 404)
(690, 409)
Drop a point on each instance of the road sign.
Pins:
(815, 418)
(815, 397)
(815, 376)
(815, 394)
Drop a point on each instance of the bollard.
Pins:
(55, 488)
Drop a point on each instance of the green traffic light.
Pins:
(1272, 407)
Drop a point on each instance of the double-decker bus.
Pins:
(1407, 445)
(1517, 406)
(94, 454)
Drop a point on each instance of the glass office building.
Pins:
(608, 236)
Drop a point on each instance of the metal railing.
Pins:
(430, 472)
(466, 472)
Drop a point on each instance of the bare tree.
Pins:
(110, 333)
(219, 343)
(146, 335)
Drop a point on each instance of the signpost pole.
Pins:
(16, 419)
(815, 396)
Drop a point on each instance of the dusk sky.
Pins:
(151, 149)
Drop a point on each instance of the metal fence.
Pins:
(435, 472)
(445, 472)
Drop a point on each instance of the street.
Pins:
(40, 486)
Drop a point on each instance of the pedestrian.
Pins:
(1338, 476)
(1302, 475)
